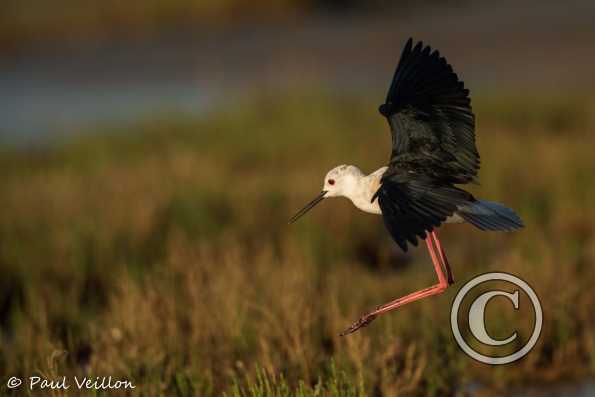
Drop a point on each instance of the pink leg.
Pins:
(443, 258)
(431, 242)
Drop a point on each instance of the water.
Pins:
(585, 388)
(51, 92)
(33, 111)
(579, 389)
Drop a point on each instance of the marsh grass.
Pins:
(161, 253)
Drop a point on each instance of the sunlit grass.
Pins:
(161, 252)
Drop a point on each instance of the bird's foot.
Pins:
(364, 321)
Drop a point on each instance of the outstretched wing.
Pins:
(433, 145)
(430, 116)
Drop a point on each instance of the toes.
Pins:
(362, 322)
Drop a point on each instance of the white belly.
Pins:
(365, 204)
(455, 218)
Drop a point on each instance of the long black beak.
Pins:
(308, 207)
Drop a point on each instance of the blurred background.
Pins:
(152, 152)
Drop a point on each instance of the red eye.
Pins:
(331, 182)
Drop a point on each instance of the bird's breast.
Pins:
(365, 204)
(366, 188)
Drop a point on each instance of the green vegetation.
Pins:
(161, 253)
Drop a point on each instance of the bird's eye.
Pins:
(331, 182)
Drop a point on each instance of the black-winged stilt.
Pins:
(433, 149)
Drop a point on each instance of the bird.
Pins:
(433, 154)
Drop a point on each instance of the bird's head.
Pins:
(338, 182)
(341, 180)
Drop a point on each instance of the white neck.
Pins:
(362, 191)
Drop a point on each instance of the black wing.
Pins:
(430, 116)
(412, 206)
(432, 126)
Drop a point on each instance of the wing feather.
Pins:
(433, 145)
(430, 116)
(413, 207)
